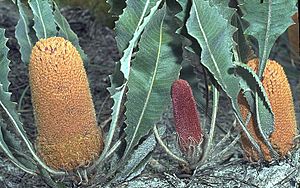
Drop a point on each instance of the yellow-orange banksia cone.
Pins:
(279, 93)
(68, 135)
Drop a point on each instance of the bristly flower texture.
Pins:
(187, 121)
(279, 93)
(68, 135)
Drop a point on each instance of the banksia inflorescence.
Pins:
(279, 93)
(68, 135)
(187, 121)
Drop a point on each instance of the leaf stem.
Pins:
(166, 149)
(213, 123)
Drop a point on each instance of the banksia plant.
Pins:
(279, 93)
(187, 121)
(68, 136)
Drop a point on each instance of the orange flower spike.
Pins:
(279, 93)
(186, 116)
(68, 135)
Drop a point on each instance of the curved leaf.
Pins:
(122, 35)
(9, 154)
(267, 21)
(116, 6)
(130, 20)
(117, 89)
(44, 24)
(5, 100)
(264, 112)
(154, 69)
(140, 157)
(23, 32)
(4, 62)
(66, 32)
(214, 34)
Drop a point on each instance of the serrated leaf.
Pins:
(224, 8)
(154, 69)
(210, 29)
(267, 21)
(139, 158)
(66, 32)
(4, 62)
(263, 111)
(9, 154)
(22, 32)
(214, 34)
(130, 20)
(135, 28)
(187, 73)
(44, 24)
(117, 89)
(5, 100)
(242, 45)
(116, 6)
(184, 7)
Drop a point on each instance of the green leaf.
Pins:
(117, 89)
(267, 21)
(131, 31)
(242, 46)
(188, 73)
(5, 103)
(153, 71)
(265, 112)
(23, 32)
(9, 154)
(4, 62)
(44, 24)
(214, 34)
(211, 30)
(66, 32)
(131, 20)
(223, 8)
(140, 157)
(116, 6)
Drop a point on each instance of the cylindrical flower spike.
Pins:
(187, 120)
(279, 93)
(68, 135)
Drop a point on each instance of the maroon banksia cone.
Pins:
(187, 121)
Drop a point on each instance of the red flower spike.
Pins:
(186, 116)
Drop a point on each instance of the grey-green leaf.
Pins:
(140, 157)
(263, 108)
(44, 24)
(116, 6)
(66, 32)
(4, 62)
(267, 21)
(9, 154)
(214, 34)
(23, 32)
(153, 71)
(135, 35)
(130, 20)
